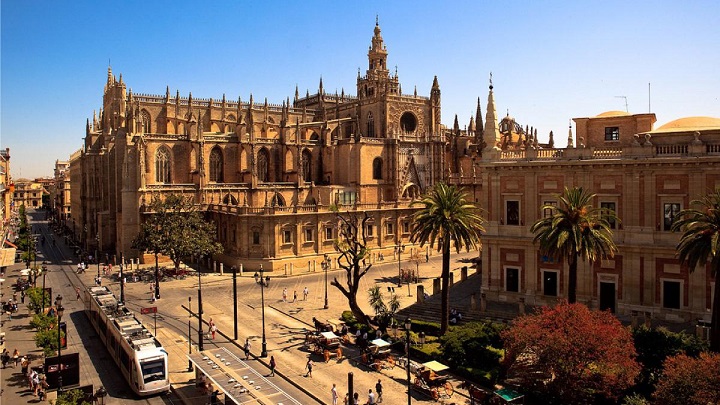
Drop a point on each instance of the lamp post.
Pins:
(408, 324)
(97, 258)
(264, 282)
(44, 270)
(400, 249)
(235, 307)
(157, 278)
(59, 309)
(326, 265)
(190, 365)
(100, 395)
(122, 279)
(200, 313)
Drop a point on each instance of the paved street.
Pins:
(286, 324)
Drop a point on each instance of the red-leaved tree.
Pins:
(569, 354)
(690, 380)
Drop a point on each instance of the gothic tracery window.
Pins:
(216, 165)
(370, 125)
(162, 165)
(145, 118)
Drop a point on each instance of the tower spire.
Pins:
(570, 136)
(478, 121)
(491, 132)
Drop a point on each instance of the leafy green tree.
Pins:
(176, 228)
(35, 299)
(48, 340)
(384, 313)
(43, 322)
(700, 245)
(473, 345)
(575, 230)
(351, 245)
(654, 345)
(447, 217)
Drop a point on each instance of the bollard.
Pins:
(420, 294)
(522, 306)
(452, 279)
(240, 269)
(222, 268)
(483, 302)
(463, 273)
(473, 302)
(436, 285)
(634, 319)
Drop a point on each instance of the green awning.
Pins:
(508, 395)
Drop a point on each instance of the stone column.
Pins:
(521, 306)
(222, 268)
(420, 294)
(437, 285)
(483, 302)
(473, 302)
(463, 273)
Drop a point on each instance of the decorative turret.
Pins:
(456, 126)
(551, 140)
(297, 94)
(471, 125)
(321, 91)
(491, 132)
(570, 137)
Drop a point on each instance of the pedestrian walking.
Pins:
(294, 295)
(246, 348)
(346, 401)
(272, 366)
(379, 390)
(5, 358)
(305, 293)
(213, 329)
(309, 367)
(24, 363)
(16, 358)
(334, 394)
(356, 399)
(284, 295)
(77, 293)
(371, 397)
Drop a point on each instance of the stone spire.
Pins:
(478, 119)
(570, 137)
(471, 126)
(321, 91)
(491, 132)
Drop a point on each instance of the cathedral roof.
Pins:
(690, 124)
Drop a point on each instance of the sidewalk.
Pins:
(18, 335)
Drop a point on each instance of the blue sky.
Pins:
(551, 61)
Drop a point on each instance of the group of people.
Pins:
(10, 307)
(372, 397)
(7, 359)
(295, 295)
(455, 316)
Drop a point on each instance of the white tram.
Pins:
(139, 355)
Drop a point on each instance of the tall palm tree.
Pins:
(700, 245)
(447, 216)
(575, 229)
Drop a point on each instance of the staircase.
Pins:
(460, 296)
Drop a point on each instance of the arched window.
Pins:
(277, 201)
(162, 165)
(307, 165)
(145, 117)
(263, 161)
(216, 165)
(370, 125)
(377, 169)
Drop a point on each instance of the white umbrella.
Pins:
(25, 272)
(2, 280)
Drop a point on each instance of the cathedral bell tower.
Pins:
(377, 80)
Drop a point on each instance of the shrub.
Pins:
(690, 381)
(473, 345)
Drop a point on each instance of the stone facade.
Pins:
(270, 174)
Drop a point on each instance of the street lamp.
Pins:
(235, 307)
(44, 270)
(400, 249)
(190, 364)
(100, 395)
(325, 264)
(200, 313)
(408, 324)
(122, 279)
(59, 309)
(97, 258)
(264, 282)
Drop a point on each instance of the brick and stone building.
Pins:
(269, 174)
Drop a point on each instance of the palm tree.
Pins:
(700, 244)
(447, 216)
(575, 229)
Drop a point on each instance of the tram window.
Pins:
(125, 360)
(153, 370)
